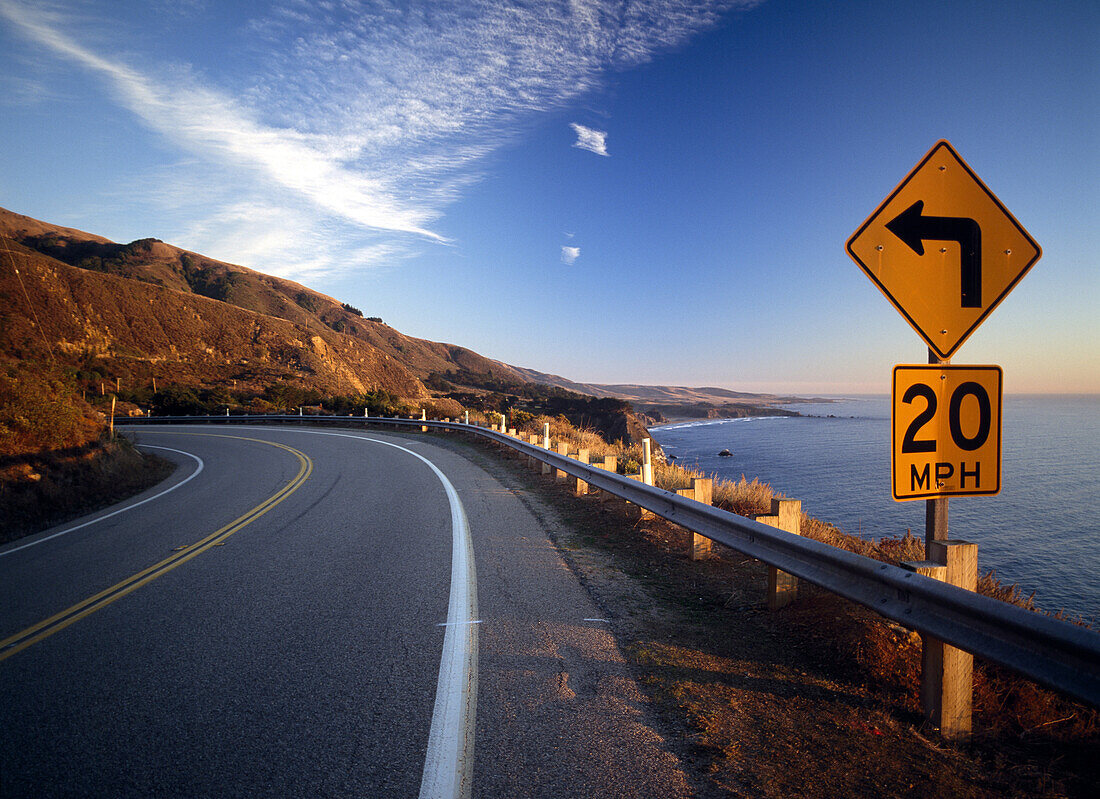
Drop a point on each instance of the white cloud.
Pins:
(209, 122)
(595, 141)
(371, 115)
(569, 255)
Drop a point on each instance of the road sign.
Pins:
(946, 424)
(943, 249)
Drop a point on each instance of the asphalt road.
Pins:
(275, 620)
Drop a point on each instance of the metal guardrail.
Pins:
(1056, 653)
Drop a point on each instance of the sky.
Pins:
(650, 191)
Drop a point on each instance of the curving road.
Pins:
(299, 612)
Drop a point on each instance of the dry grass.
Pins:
(40, 490)
(750, 497)
(40, 410)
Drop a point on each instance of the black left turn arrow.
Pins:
(913, 228)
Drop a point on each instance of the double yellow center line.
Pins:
(47, 627)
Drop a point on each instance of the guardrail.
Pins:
(1056, 653)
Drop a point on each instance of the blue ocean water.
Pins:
(1041, 531)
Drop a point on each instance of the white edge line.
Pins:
(449, 761)
(188, 479)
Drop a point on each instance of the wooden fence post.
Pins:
(786, 515)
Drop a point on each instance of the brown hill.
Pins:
(148, 310)
(154, 262)
(143, 330)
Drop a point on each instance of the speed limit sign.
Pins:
(946, 423)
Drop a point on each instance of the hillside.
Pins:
(148, 311)
(159, 264)
(141, 331)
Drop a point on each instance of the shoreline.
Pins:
(679, 420)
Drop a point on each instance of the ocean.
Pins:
(1042, 531)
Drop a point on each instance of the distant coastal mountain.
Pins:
(675, 402)
(152, 310)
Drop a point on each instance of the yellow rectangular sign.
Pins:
(946, 423)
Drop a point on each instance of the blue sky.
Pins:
(651, 192)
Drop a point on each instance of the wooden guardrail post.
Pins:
(533, 440)
(580, 487)
(609, 463)
(646, 474)
(787, 516)
(562, 449)
(947, 672)
(546, 445)
(702, 490)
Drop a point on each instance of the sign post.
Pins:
(945, 252)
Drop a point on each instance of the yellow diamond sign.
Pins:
(943, 249)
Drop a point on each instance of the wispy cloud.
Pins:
(595, 141)
(569, 255)
(371, 114)
(210, 122)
